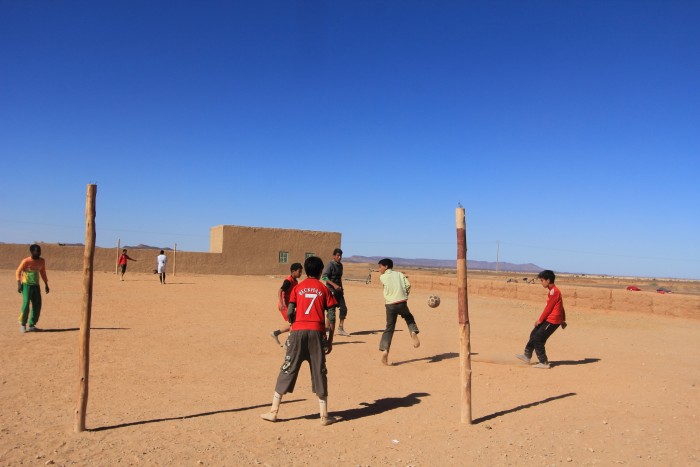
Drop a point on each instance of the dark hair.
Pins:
(547, 275)
(386, 262)
(34, 247)
(294, 267)
(313, 266)
(162, 252)
(337, 251)
(124, 250)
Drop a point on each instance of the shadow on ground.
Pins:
(521, 407)
(368, 409)
(185, 417)
(433, 359)
(78, 329)
(574, 362)
(335, 343)
(366, 333)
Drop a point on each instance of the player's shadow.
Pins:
(367, 333)
(185, 417)
(433, 359)
(78, 329)
(347, 342)
(574, 362)
(374, 408)
(520, 407)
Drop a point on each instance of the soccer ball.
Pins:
(433, 301)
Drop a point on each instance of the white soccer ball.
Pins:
(433, 301)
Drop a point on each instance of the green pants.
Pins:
(30, 294)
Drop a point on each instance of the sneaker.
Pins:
(274, 336)
(544, 366)
(22, 328)
(524, 358)
(342, 332)
(325, 421)
(416, 342)
(269, 416)
(33, 329)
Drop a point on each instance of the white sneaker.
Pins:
(543, 366)
(22, 329)
(524, 358)
(342, 332)
(33, 329)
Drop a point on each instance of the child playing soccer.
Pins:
(396, 290)
(552, 317)
(333, 276)
(285, 291)
(306, 312)
(123, 259)
(28, 274)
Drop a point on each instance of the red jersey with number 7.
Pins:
(311, 298)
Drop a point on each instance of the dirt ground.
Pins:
(180, 373)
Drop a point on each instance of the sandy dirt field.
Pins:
(180, 374)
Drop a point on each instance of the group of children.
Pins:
(308, 307)
(161, 260)
(312, 331)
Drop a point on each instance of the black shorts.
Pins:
(123, 268)
(304, 345)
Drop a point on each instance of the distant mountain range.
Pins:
(447, 263)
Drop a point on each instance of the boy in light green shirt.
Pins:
(396, 290)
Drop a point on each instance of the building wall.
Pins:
(244, 250)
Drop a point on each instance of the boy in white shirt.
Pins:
(162, 261)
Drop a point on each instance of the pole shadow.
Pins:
(197, 415)
(78, 329)
(348, 342)
(520, 407)
(585, 361)
(433, 359)
(369, 409)
(366, 333)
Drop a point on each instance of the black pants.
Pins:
(393, 311)
(538, 337)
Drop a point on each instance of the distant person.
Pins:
(162, 262)
(123, 259)
(284, 293)
(396, 290)
(551, 318)
(333, 276)
(307, 341)
(28, 274)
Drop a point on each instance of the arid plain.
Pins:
(180, 373)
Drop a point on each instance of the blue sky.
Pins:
(569, 130)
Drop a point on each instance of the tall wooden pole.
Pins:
(174, 258)
(84, 358)
(119, 244)
(465, 361)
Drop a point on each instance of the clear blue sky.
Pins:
(569, 130)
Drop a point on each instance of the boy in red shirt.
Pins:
(285, 292)
(551, 318)
(123, 259)
(28, 274)
(308, 303)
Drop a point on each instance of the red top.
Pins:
(287, 287)
(123, 258)
(312, 299)
(554, 309)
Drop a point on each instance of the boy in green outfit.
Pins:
(28, 274)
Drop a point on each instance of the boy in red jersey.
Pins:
(28, 274)
(123, 259)
(285, 291)
(552, 317)
(307, 341)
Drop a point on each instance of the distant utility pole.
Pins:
(498, 247)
